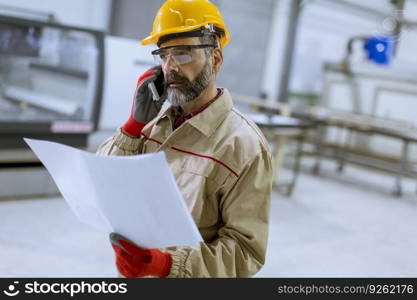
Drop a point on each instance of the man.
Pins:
(220, 160)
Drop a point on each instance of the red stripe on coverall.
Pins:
(195, 154)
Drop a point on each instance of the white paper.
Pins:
(135, 196)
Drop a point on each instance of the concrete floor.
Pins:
(335, 225)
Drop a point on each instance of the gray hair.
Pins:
(209, 39)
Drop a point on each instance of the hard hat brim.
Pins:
(153, 39)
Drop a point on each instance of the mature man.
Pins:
(220, 160)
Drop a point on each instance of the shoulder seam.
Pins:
(256, 130)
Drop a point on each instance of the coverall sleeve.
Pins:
(121, 144)
(240, 248)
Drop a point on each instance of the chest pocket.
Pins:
(206, 167)
(199, 180)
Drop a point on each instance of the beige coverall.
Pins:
(223, 168)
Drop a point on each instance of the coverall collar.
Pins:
(208, 120)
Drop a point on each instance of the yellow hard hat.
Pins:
(178, 17)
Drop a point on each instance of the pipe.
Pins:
(289, 50)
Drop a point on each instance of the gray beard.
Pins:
(178, 97)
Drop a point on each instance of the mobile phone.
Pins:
(115, 239)
(154, 91)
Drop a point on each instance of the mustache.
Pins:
(175, 77)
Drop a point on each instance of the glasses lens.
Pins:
(183, 58)
(179, 57)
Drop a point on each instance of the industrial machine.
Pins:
(51, 82)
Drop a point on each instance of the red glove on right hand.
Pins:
(137, 262)
(145, 107)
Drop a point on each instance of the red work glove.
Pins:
(136, 262)
(145, 107)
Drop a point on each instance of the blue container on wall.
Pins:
(380, 49)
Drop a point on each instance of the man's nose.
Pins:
(170, 65)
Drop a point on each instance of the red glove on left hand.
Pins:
(144, 107)
(137, 262)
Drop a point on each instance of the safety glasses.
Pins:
(179, 54)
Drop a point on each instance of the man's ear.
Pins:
(217, 60)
